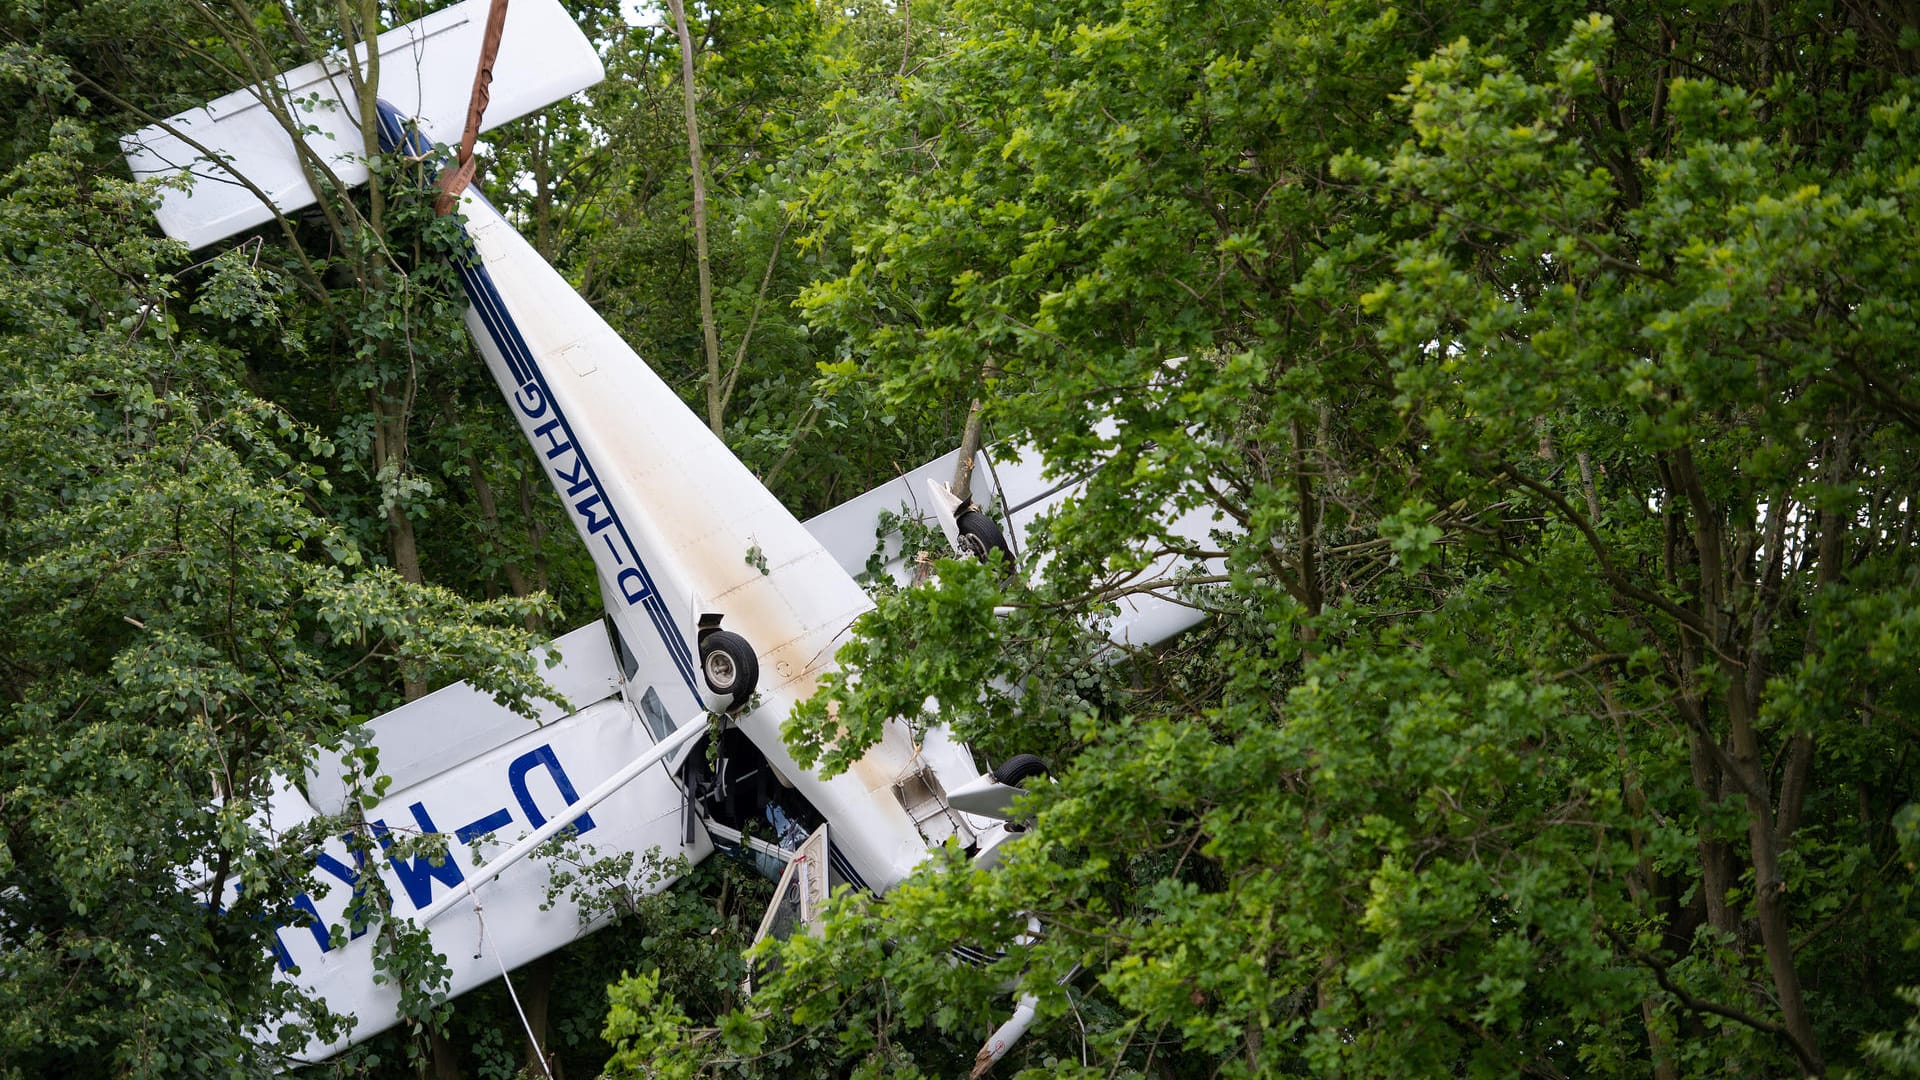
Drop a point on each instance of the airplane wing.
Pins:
(481, 776)
(1141, 619)
(238, 150)
(1015, 484)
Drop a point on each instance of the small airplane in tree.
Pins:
(722, 610)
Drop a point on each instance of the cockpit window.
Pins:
(629, 663)
(655, 715)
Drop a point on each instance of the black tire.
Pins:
(729, 666)
(979, 535)
(1017, 768)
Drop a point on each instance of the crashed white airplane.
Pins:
(693, 627)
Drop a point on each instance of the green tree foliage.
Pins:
(179, 623)
(1546, 373)
(206, 491)
(764, 73)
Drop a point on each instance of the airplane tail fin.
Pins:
(244, 162)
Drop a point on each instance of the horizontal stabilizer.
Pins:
(426, 71)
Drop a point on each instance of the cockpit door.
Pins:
(802, 889)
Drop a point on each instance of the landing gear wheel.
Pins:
(1018, 768)
(729, 665)
(979, 535)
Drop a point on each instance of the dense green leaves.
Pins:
(1534, 370)
(1542, 375)
(181, 627)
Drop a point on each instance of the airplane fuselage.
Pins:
(679, 529)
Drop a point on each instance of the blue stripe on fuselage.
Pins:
(492, 309)
(505, 333)
(839, 861)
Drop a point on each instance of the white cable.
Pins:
(532, 1041)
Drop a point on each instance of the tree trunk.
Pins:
(445, 1063)
(490, 517)
(1716, 861)
(542, 165)
(709, 333)
(490, 525)
(536, 988)
(390, 414)
(368, 90)
(536, 535)
(970, 437)
(1746, 769)
(969, 449)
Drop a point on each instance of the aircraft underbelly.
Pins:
(676, 524)
(678, 527)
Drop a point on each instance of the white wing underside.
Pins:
(482, 776)
(426, 71)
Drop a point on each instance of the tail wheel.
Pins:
(980, 536)
(729, 665)
(1018, 768)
